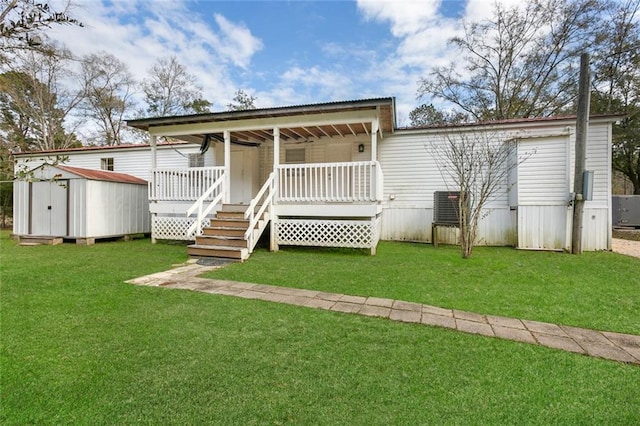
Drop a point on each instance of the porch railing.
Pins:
(202, 211)
(330, 182)
(262, 202)
(172, 184)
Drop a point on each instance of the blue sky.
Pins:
(282, 52)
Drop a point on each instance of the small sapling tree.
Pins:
(477, 164)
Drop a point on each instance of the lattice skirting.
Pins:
(328, 233)
(173, 228)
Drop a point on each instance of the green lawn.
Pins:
(78, 346)
(598, 290)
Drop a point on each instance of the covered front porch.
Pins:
(310, 172)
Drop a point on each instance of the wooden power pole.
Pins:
(582, 124)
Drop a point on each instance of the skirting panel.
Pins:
(328, 233)
(173, 228)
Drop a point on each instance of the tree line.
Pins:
(523, 62)
(47, 93)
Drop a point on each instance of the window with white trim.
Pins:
(196, 160)
(295, 156)
(106, 163)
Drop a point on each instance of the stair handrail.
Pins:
(254, 216)
(196, 227)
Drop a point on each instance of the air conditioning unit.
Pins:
(446, 207)
(626, 211)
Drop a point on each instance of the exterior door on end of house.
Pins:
(49, 208)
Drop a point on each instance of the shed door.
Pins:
(49, 208)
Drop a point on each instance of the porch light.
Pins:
(361, 148)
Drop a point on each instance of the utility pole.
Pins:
(582, 123)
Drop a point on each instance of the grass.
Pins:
(598, 290)
(78, 346)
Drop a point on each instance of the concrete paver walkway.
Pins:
(602, 344)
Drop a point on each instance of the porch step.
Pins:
(224, 231)
(224, 237)
(236, 208)
(38, 240)
(230, 215)
(219, 240)
(200, 250)
(229, 223)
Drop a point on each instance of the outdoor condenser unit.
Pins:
(446, 207)
(626, 210)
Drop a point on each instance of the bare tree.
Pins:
(616, 83)
(478, 165)
(22, 23)
(108, 89)
(520, 63)
(428, 115)
(171, 90)
(36, 103)
(242, 101)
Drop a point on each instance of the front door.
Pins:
(49, 208)
(242, 176)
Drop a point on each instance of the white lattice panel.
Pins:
(328, 233)
(173, 228)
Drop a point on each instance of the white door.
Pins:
(543, 192)
(49, 208)
(340, 179)
(241, 176)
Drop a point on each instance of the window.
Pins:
(196, 160)
(106, 163)
(295, 156)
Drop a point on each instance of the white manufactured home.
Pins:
(341, 174)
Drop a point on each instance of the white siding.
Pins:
(543, 177)
(538, 190)
(20, 207)
(132, 161)
(411, 176)
(116, 209)
(78, 208)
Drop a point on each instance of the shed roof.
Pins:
(103, 175)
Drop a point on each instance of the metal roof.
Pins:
(103, 175)
(384, 108)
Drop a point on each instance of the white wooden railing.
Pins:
(203, 211)
(264, 199)
(183, 184)
(330, 182)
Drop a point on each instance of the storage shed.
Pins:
(81, 204)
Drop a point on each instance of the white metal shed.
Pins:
(81, 204)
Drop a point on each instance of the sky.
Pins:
(282, 52)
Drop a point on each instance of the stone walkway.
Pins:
(601, 344)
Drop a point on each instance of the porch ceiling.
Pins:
(299, 123)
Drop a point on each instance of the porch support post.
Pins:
(276, 147)
(154, 151)
(227, 167)
(273, 240)
(152, 181)
(374, 140)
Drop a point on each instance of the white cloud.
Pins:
(238, 44)
(405, 17)
(139, 32)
